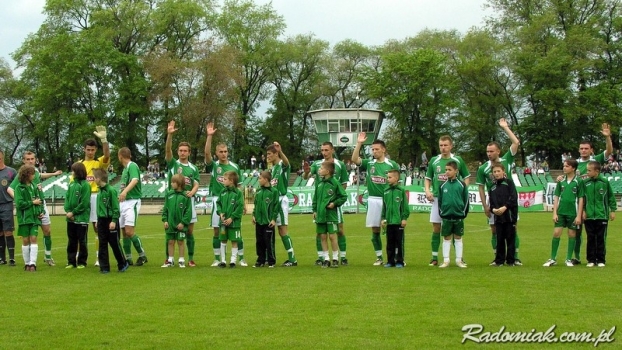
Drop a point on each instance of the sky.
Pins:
(370, 22)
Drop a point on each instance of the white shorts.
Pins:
(374, 212)
(93, 216)
(282, 218)
(194, 213)
(215, 217)
(45, 220)
(435, 216)
(129, 212)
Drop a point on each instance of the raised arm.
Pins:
(100, 132)
(606, 131)
(209, 129)
(515, 143)
(356, 159)
(281, 154)
(170, 129)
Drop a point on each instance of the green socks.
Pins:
(138, 245)
(240, 248)
(47, 243)
(216, 246)
(287, 243)
(554, 247)
(516, 244)
(127, 247)
(190, 245)
(571, 247)
(493, 241)
(318, 247)
(436, 243)
(377, 242)
(341, 241)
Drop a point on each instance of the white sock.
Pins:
(446, 249)
(34, 251)
(335, 255)
(325, 255)
(234, 255)
(182, 259)
(170, 259)
(342, 254)
(26, 254)
(459, 247)
(320, 254)
(378, 253)
(223, 252)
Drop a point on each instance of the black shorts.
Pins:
(7, 221)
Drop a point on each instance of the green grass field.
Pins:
(355, 307)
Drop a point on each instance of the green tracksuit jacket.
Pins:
(78, 201)
(395, 205)
(108, 203)
(267, 205)
(26, 212)
(231, 204)
(599, 198)
(327, 191)
(453, 200)
(177, 210)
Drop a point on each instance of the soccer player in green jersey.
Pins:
(129, 200)
(29, 211)
(176, 217)
(586, 154)
(600, 208)
(377, 170)
(217, 169)
(567, 210)
(341, 175)
(485, 180)
(191, 174)
(280, 179)
(436, 176)
(395, 213)
(29, 159)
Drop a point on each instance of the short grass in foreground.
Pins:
(355, 307)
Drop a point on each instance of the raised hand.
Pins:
(210, 129)
(100, 132)
(171, 127)
(503, 123)
(606, 131)
(362, 137)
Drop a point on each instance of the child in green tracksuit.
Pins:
(395, 213)
(328, 196)
(600, 207)
(29, 211)
(108, 213)
(453, 207)
(176, 217)
(265, 212)
(78, 209)
(230, 208)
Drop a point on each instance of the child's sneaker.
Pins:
(461, 264)
(243, 263)
(433, 263)
(325, 264)
(258, 265)
(182, 264)
(590, 264)
(569, 263)
(335, 264)
(50, 262)
(191, 263)
(601, 264)
(216, 263)
(378, 262)
(167, 263)
(444, 264)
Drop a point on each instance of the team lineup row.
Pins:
(83, 205)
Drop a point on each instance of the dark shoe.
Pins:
(318, 262)
(258, 265)
(344, 262)
(433, 263)
(141, 261)
(125, 267)
(103, 272)
(325, 264)
(2, 262)
(130, 262)
(335, 264)
(289, 263)
(12, 262)
(232, 265)
(222, 265)
(575, 261)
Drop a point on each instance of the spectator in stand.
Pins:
(253, 162)
(403, 168)
(545, 166)
(527, 171)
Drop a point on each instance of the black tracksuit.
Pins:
(503, 193)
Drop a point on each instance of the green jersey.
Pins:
(453, 200)
(341, 173)
(267, 205)
(395, 205)
(217, 169)
(436, 170)
(280, 177)
(78, 201)
(484, 172)
(188, 170)
(230, 202)
(177, 210)
(328, 191)
(27, 213)
(377, 175)
(582, 166)
(108, 203)
(568, 194)
(130, 172)
(36, 181)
